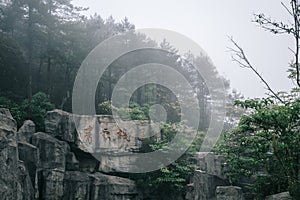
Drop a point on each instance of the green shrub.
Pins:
(35, 110)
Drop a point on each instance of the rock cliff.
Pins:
(58, 164)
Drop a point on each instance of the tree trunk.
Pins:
(30, 48)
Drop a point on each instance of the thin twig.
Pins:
(296, 35)
(287, 9)
(242, 57)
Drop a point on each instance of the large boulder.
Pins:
(98, 133)
(229, 193)
(112, 188)
(60, 124)
(26, 131)
(280, 196)
(52, 152)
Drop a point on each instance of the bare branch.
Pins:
(280, 28)
(292, 50)
(272, 26)
(243, 61)
(287, 9)
(295, 11)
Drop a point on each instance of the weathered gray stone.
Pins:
(98, 133)
(29, 155)
(87, 130)
(280, 196)
(49, 170)
(229, 193)
(51, 184)
(8, 127)
(9, 183)
(52, 152)
(111, 162)
(26, 131)
(60, 124)
(124, 136)
(205, 185)
(14, 179)
(210, 163)
(112, 188)
(76, 186)
(27, 189)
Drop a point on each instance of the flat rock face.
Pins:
(280, 196)
(100, 134)
(229, 193)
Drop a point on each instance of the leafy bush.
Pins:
(104, 108)
(133, 112)
(35, 110)
(13, 107)
(265, 145)
(169, 182)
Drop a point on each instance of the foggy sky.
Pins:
(209, 23)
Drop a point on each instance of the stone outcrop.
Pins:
(57, 164)
(15, 182)
(61, 125)
(100, 135)
(210, 163)
(208, 182)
